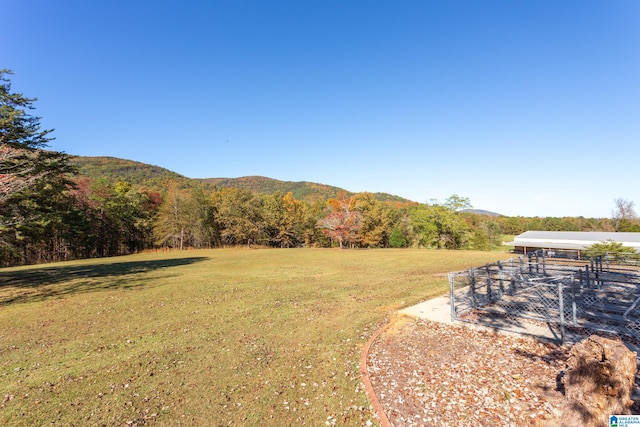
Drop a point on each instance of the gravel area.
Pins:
(427, 373)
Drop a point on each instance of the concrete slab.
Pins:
(437, 309)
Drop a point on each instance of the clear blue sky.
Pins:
(527, 107)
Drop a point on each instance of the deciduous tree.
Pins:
(440, 225)
(343, 222)
(283, 220)
(378, 220)
(239, 216)
(397, 238)
(624, 216)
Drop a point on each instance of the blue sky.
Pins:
(528, 108)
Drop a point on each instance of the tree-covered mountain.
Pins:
(480, 212)
(155, 177)
(157, 208)
(301, 190)
(136, 173)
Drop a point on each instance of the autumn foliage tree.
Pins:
(240, 216)
(283, 217)
(379, 219)
(343, 223)
(170, 227)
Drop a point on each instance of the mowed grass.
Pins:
(204, 338)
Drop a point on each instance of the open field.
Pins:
(201, 338)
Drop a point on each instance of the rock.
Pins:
(598, 382)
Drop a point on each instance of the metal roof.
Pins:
(573, 239)
(548, 245)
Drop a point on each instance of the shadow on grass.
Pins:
(37, 284)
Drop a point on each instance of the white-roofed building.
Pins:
(574, 241)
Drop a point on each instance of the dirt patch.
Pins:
(398, 326)
(427, 373)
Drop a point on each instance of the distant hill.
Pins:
(480, 212)
(302, 190)
(136, 173)
(155, 177)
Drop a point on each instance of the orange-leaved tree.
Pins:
(343, 223)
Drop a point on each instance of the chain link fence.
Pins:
(560, 298)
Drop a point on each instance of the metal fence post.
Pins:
(580, 279)
(587, 279)
(489, 290)
(501, 276)
(452, 299)
(512, 284)
(574, 308)
(521, 262)
(561, 304)
(472, 286)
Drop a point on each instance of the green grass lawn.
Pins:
(204, 338)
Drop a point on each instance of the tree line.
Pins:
(71, 218)
(49, 213)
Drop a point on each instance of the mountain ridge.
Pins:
(155, 177)
(481, 212)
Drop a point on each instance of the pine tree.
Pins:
(31, 179)
(23, 157)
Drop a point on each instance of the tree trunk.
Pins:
(599, 381)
